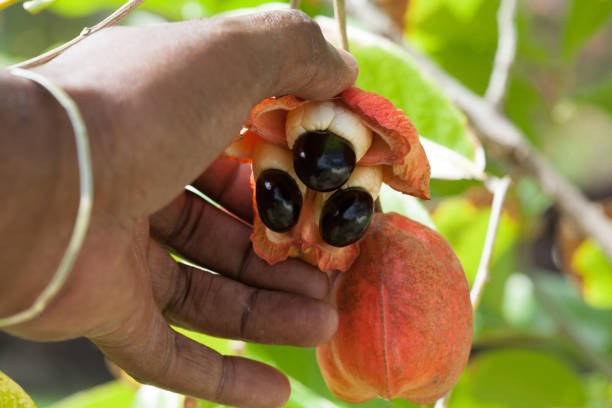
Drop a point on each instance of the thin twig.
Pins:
(340, 15)
(504, 55)
(111, 20)
(295, 4)
(498, 187)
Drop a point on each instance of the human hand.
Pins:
(161, 103)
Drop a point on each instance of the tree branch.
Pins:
(111, 20)
(504, 55)
(510, 144)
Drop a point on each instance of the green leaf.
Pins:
(583, 19)
(12, 395)
(174, 10)
(518, 379)
(464, 225)
(599, 95)
(36, 6)
(223, 346)
(115, 394)
(460, 35)
(389, 71)
(591, 326)
(595, 274)
(149, 396)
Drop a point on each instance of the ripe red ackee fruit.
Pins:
(405, 318)
(386, 149)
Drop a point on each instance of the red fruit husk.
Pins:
(405, 318)
(395, 147)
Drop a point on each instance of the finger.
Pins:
(291, 44)
(213, 304)
(209, 237)
(228, 183)
(151, 352)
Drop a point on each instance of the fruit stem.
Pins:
(295, 4)
(340, 15)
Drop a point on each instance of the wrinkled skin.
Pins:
(405, 318)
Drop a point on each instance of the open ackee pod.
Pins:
(394, 148)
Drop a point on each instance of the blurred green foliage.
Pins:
(595, 273)
(12, 395)
(537, 342)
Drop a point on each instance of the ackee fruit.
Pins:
(405, 317)
(338, 153)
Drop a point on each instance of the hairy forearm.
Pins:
(38, 189)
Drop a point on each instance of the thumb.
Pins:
(291, 45)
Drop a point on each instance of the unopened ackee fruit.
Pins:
(405, 318)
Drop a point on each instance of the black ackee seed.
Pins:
(323, 160)
(345, 216)
(279, 200)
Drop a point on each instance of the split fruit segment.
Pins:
(327, 140)
(317, 170)
(405, 318)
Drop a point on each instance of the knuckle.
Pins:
(188, 224)
(181, 295)
(227, 379)
(247, 316)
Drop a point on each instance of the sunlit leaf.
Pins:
(388, 70)
(148, 396)
(6, 3)
(36, 6)
(12, 395)
(174, 10)
(583, 19)
(518, 379)
(585, 263)
(460, 35)
(464, 224)
(223, 346)
(114, 394)
(446, 164)
(595, 272)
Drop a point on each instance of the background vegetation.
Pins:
(543, 332)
